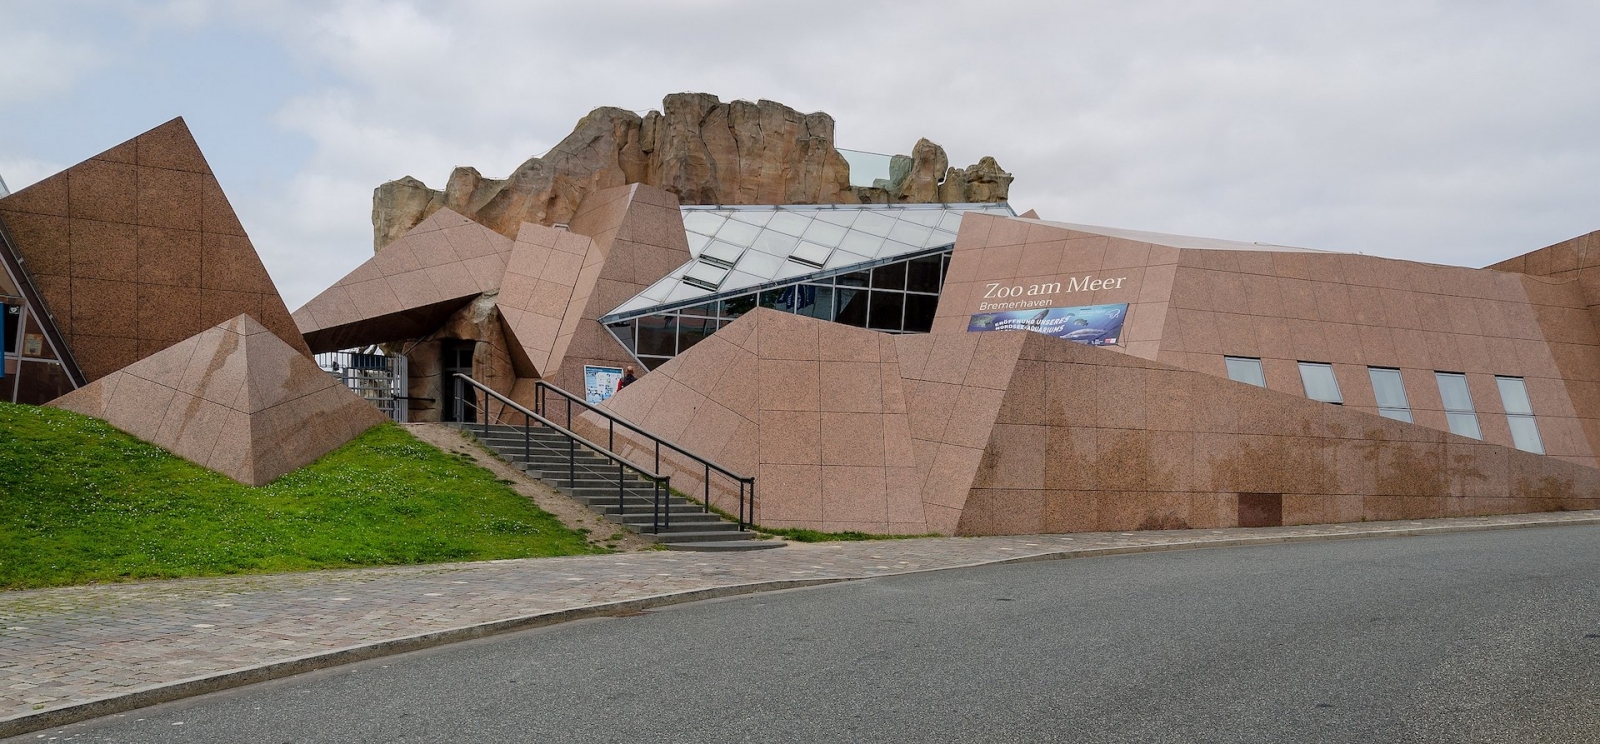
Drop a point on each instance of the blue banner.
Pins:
(1095, 325)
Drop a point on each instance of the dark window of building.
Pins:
(692, 331)
(854, 279)
(734, 307)
(852, 307)
(1519, 414)
(658, 335)
(922, 274)
(1320, 382)
(1458, 410)
(1246, 370)
(888, 311)
(891, 276)
(1390, 390)
(919, 312)
(11, 315)
(781, 298)
(815, 301)
(624, 333)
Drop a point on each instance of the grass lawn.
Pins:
(81, 502)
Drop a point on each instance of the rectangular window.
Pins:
(1320, 383)
(1458, 408)
(1390, 390)
(1245, 370)
(1519, 414)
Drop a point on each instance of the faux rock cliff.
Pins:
(696, 146)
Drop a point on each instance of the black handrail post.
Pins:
(708, 488)
(622, 504)
(569, 414)
(611, 435)
(572, 466)
(667, 513)
(658, 455)
(455, 405)
(482, 412)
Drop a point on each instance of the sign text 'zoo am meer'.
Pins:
(998, 296)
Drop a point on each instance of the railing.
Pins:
(747, 515)
(661, 485)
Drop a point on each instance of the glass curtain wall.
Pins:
(32, 372)
(897, 297)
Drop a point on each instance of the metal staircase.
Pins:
(638, 498)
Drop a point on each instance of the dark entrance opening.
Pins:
(455, 357)
(1260, 510)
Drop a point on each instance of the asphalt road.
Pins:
(1481, 637)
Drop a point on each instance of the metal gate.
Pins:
(372, 374)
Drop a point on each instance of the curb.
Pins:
(168, 692)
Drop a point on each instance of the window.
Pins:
(1519, 414)
(1320, 383)
(1245, 370)
(1390, 390)
(1458, 404)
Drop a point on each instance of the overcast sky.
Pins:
(1456, 132)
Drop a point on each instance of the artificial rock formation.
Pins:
(696, 147)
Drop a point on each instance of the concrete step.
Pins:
(645, 521)
(724, 546)
(682, 537)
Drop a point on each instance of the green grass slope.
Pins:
(82, 502)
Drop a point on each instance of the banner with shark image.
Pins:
(1095, 325)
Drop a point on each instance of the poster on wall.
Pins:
(600, 383)
(1095, 325)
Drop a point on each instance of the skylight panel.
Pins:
(811, 254)
(702, 222)
(823, 233)
(705, 275)
(908, 233)
(738, 233)
(719, 252)
(873, 222)
(775, 243)
(789, 222)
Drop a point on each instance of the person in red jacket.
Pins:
(626, 379)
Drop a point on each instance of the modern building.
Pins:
(884, 367)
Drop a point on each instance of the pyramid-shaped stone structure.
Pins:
(234, 398)
(137, 248)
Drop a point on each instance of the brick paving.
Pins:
(63, 647)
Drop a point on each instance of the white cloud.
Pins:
(1450, 132)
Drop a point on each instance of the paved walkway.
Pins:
(72, 653)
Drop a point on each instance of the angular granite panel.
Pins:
(234, 398)
(130, 242)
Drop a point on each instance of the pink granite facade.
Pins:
(1192, 302)
(1016, 432)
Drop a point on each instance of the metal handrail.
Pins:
(539, 388)
(661, 484)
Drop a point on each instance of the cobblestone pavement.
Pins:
(64, 647)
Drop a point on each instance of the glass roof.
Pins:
(748, 246)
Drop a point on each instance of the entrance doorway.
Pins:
(455, 357)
